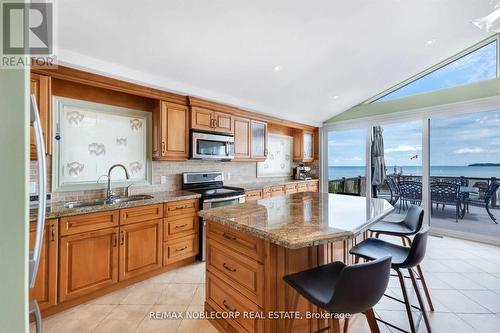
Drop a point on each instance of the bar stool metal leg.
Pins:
(420, 300)
(406, 301)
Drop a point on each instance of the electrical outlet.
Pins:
(228, 175)
(163, 179)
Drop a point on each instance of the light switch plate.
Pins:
(163, 179)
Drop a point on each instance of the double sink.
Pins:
(101, 202)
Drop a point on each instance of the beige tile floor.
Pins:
(463, 277)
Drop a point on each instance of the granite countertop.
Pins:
(57, 209)
(262, 185)
(302, 219)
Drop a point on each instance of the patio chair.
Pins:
(446, 194)
(394, 188)
(409, 192)
(485, 200)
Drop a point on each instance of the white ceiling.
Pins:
(226, 50)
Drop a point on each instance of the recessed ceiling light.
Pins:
(335, 97)
(277, 68)
(430, 42)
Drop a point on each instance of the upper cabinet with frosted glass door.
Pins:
(250, 139)
(303, 146)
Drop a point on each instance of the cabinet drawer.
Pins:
(250, 246)
(142, 213)
(181, 207)
(277, 191)
(70, 225)
(179, 249)
(222, 297)
(245, 274)
(180, 226)
(302, 187)
(253, 195)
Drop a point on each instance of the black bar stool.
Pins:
(402, 258)
(341, 289)
(409, 226)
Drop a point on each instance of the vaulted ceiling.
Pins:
(331, 55)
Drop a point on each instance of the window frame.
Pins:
(439, 65)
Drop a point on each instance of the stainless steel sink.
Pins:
(100, 202)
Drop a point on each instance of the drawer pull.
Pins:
(224, 302)
(228, 268)
(181, 226)
(181, 249)
(228, 236)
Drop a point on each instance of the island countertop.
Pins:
(302, 219)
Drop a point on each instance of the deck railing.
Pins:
(357, 185)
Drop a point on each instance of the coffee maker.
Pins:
(302, 172)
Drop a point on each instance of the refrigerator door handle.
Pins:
(34, 259)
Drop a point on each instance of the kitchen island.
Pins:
(251, 246)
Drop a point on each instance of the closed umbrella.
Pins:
(378, 162)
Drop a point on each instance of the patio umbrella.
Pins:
(378, 162)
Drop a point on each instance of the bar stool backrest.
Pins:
(360, 286)
(414, 218)
(417, 249)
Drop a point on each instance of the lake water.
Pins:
(336, 172)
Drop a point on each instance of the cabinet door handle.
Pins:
(228, 268)
(52, 232)
(228, 236)
(224, 302)
(115, 242)
(181, 249)
(181, 226)
(122, 238)
(163, 146)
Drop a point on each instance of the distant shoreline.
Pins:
(484, 165)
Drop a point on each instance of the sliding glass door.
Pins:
(464, 171)
(398, 177)
(347, 161)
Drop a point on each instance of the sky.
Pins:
(455, 140)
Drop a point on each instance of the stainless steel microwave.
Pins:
(209, 146)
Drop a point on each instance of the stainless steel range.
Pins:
(213, 194)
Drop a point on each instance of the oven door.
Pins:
(212, 146)
(221, 202)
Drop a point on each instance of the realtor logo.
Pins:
(27, 34)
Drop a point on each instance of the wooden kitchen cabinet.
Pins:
(40, 87)
(242, 138)
(303, 146)
(45, 290)
(171, 132)
(140, 248)
(213, 121)
(88, 262)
